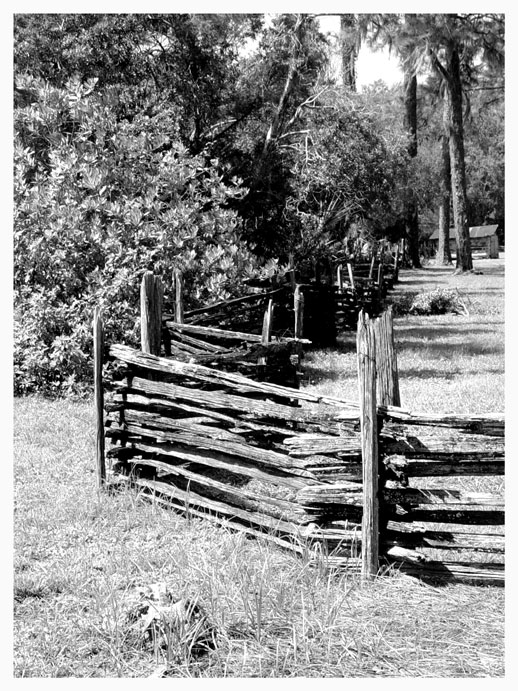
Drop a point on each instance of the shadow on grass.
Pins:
(418, 281)
(450, 350)
(430, 333)
(420, 373)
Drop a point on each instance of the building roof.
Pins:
(474, 232)
(482, 231)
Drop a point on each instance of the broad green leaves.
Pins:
(98, 202)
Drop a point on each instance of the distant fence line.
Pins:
(316, 310)
(309, 472)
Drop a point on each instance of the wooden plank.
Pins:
(190, 498)
(161, 445)
(220, 400)
(414, 497)
(418, 536)
(441, 445)
(483, 573)
(445, 514)
(215, 333)
(489, 423)
(310, 444)
(336, 493)
(198, 343)
(169, 432)
(202, 373)
(233, 302)
(235, 495)
(366, 351)
(239, 424)
(151, 293)
(98, 337)
(153, 419)
(451, 465)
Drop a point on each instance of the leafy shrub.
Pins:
(401, 304)
(438, 301)
(97, 203)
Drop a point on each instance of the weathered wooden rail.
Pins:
(357, 481)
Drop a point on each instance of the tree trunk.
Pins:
(458, 172)
(411, 220)
(348, 49)
(443, 251)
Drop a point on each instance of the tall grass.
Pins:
(80, 555)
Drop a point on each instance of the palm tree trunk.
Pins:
(411, 221)
(458, 171)
(349, 49)
(443, 251)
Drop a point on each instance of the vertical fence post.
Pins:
(386, 361)
(266, 336)
(366, 347)
(298, 328)
(151, 294)
(340, 278)
(371, 269)
(298, 308)
(396, 264)
(293, 279)
(178, 296)
(380, 283)
(99, 396)
(351, 275)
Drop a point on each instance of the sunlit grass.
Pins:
(446, 363)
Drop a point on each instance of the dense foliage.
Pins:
(97, 203)
(217, 144)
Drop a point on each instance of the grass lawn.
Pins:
(79, 555)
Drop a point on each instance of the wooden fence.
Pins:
(313, 473)
(317, 311)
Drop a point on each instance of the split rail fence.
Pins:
(356, 482)
(316, 310)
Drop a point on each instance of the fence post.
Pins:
(351, 275)
(151, 313)
(298, 308)
(178, 296)
(293, 279)
(371, 269)
(99, 396)
(380, 282)
(340, 278)
(386, 361)
(396, 264)
(266, 336)
(366, 347)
